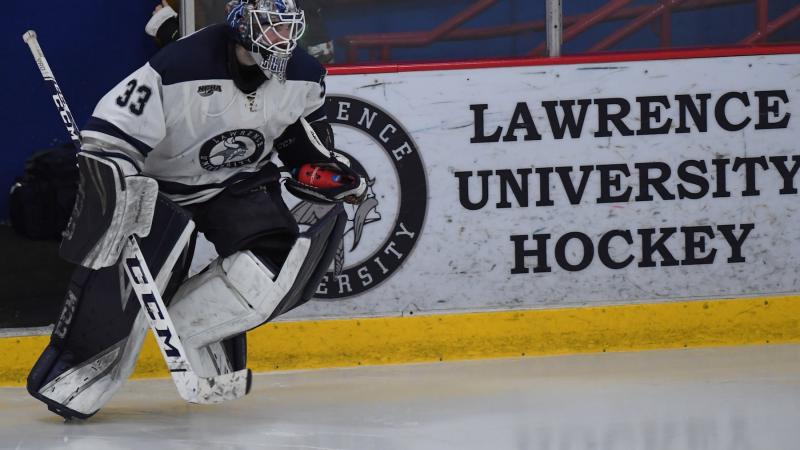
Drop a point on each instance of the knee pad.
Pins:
(240, 292)
(233, 295)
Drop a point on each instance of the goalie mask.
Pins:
(268, 29)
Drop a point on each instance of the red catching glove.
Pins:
(327, 183)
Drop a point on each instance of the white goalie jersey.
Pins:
(182, 120)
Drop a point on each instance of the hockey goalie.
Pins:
(185, 144)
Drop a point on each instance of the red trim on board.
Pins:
(652, 55)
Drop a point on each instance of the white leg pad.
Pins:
(235, 294)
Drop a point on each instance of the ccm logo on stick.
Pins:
(153, 306)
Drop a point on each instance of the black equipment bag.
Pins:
(41, 200)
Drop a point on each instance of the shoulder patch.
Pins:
(199, 56)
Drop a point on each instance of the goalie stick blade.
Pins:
(217, 389)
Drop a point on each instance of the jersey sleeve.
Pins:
(129, 120)
(315, 101)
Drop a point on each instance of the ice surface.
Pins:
(725, 398)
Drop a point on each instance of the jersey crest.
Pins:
(232, 149)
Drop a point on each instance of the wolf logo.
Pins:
(233, 148)
(396, 201)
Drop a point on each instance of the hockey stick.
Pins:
(191, 388)
(66, 115)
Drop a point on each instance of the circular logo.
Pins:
(382, 230)
(232, 149)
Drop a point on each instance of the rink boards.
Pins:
(521, 208)
(393, 340)
(552, 186)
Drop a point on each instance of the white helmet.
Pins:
(269, 29)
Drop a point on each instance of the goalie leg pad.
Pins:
(81, 390)
(240, 292)
(99, 334)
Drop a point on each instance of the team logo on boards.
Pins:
(207, 89)
(232, 149)
(382, 231)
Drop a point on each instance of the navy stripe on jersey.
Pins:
(318, 114)
(204, 56)
(200, 56)
(304, 67)
(175, 188)
(105, 127)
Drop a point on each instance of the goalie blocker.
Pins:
(109, 207)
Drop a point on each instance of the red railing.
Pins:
(380, 45)
(765, 29)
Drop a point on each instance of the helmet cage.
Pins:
(275, 32)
